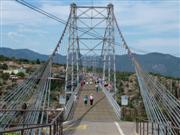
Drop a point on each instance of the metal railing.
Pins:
(55, 127)
(70, 102)
(145, 127)
(112, 102)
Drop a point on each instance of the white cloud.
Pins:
(148, 17)
(14, 35)
(147, 20)
(32, 30)
(60, 11)
(169, 46)
(157, 17)
(15, 13)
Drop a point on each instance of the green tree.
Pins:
(5, 76)
(38, 61)
(12, 73)
(33, 62)
(4, 66)
(21, 74)
(3, 58)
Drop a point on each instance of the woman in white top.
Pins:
(91, 98)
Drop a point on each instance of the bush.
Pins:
(3, 58)
(5, 76)
(4, 66)
(12, 73)
(38, 61)
(24, 61)
(21, 74)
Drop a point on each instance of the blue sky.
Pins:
(148, 26)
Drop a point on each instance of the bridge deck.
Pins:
(99, 111)
(98, 119)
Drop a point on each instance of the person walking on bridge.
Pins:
(85, 99)
(82, 83)
(91, 98)
(97, 87)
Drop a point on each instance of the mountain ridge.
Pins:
(164, 64)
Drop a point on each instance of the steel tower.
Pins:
(85, 22)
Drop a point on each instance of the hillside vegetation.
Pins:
(127, 84)
(164, 64)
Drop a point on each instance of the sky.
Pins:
(147, 25)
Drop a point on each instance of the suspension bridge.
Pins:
(92, 36)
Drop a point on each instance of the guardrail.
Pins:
(145, 127)
(53, 128)
(112, 102)
(70, 102)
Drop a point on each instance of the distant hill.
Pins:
(164, 64)
(29, 54)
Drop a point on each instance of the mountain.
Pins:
(29, 54)
(164, 64)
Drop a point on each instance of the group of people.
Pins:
(83, 82)
(90, 99)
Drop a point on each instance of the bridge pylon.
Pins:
(72, 62)
(84, 23)
(108, 49)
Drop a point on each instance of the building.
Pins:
(15, 71)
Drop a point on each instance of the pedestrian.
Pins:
(91, 98)
(75, 97)
(110, 87)
(84, 82)
(23, 107)
(85, 99)
(97, 81)
(97, 87)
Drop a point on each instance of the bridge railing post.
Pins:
(57, 126)
(152, 128)
(54, 129)
(22, 132)
(137, 126)
(143, 128)
(166, 130)
(50, 130)
(147, 127)
(61, 123)
(140, 127)
(158, 129)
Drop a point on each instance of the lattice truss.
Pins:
(85, 49)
